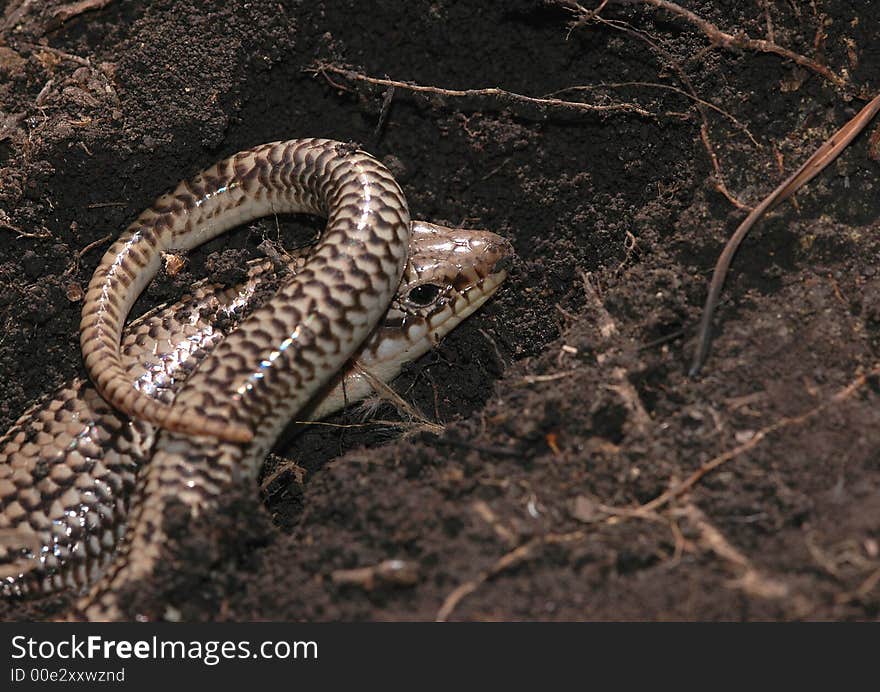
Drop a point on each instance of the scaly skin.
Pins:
(312, 326)
(269, 368)
(68, 467)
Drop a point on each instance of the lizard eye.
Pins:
(423, 294)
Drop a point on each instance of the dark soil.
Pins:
(554, 427)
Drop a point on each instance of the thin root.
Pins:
(324, 69)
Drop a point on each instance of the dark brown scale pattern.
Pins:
(160, 350)
(70, 464)
(313, 176)
(280, 356)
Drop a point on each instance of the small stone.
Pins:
(586, 510)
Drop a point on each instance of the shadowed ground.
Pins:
(564, 402)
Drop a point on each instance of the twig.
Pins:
(74, 9)
(534, 379)
(284, 465)
(74, 266)
(586, 15)
(7, 225)
(668, 87)
(101, 205)
(515, 557)
(386, 393)
(91, 246)
(743, 42)
(482, 508)
(771, 35)
(14, 12)
(665, 339)
(785, 422)
(324, 68)
(673, 65)
(605, 323)
(866, 587)
(383, 113)
(716, 164)
(750, 579)
(59, 53)
(814, 165)
(607, 329)
(393, 573)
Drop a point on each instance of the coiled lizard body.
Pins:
(441, 290)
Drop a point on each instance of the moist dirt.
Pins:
(565, 403)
